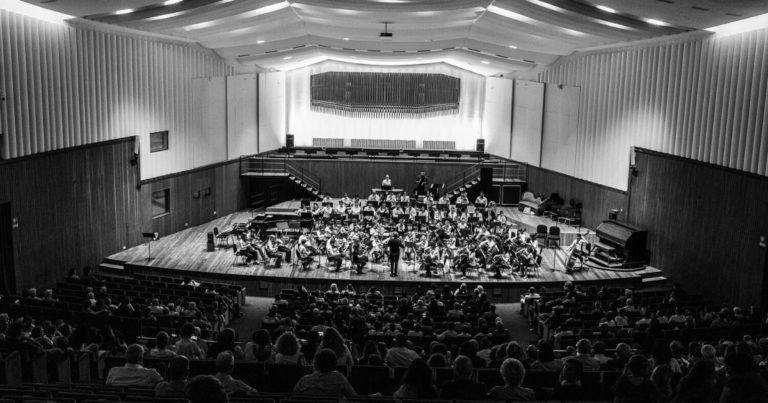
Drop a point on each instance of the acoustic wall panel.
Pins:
(561, 118)
(528, 109)
(209, 129)
(72, 84)
(703, 97)
(497, 116)
(242, 122)
(271, 101)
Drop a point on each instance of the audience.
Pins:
(288, 350)
(570, 387)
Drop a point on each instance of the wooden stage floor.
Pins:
(185, 251)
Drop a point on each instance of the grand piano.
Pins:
(620, 245)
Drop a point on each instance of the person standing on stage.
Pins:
(421, 184)
(394, 243)
(386, 182)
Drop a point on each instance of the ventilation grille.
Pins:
(327, 142)
(438, 145)
(383, 143)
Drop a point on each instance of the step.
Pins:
(651, 281)
(111, 268)
(649, 271)
(116, 262)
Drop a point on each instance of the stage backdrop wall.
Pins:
(464, 128)
(71, 84)
(704, 225)
(701, 97)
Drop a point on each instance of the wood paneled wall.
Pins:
(72, 84)
(704, 224)
(76, 206)
(359, 176)
(597, 199)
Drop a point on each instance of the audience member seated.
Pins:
(225, 364)
(462, 386)
(226, 342)
(161, 349)
(570, 387)
(400, 356)
(513, 373)
(743, 383)
(133, 373)
(188, 346)
(260, 348)
(584, 354)
(634, 386)
(206, 389)
(332, 340)
(288, 350)
(178, 372)
(417, 382)
(325, 381)
(698, 385)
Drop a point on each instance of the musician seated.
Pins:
(246, 249)
(327, 198)
(346, 201)
(443, 200)
(334, 254)
(481, 200)
(324, 211)
(359, 256)
(391, 197)
(405, 199)
(273, 252)
(369, 212)
(305, 254)
(373, 197)
(501, 262)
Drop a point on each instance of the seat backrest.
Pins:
(554, 230)
(541, 229)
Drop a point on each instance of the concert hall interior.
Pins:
(253, 147)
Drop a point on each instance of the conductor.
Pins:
(394, 243)
(421, 184)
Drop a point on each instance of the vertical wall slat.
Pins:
(701, 98)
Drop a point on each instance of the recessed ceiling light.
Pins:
(655, 22)
(346, 39)
(260, 41)
(170, 2)
(124, 11)
(287, 58)
(745, 25)
(485, 62)
(512, 47)
(606, 9)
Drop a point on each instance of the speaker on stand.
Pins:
(480, 145)
(289, 141)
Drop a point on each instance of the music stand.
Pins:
(152, 236)
(480, 206)
(373, 203)
(386, 187)
(328, 204)
(367, 213)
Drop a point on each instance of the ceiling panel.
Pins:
(278, 34)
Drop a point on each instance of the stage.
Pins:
(185, 253)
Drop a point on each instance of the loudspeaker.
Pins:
(211, 245)
(289, 140)
(481, 145)
(486, 180)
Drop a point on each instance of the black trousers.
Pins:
(393, 260)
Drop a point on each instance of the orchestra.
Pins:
(428, 236)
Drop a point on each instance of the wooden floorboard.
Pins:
(186, 251)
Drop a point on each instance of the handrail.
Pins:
(272, 165)
(462, 178)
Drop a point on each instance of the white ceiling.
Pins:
(485, 36)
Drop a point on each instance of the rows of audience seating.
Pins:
(364, 346)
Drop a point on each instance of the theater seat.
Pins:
(283, 378)
(369, 379)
